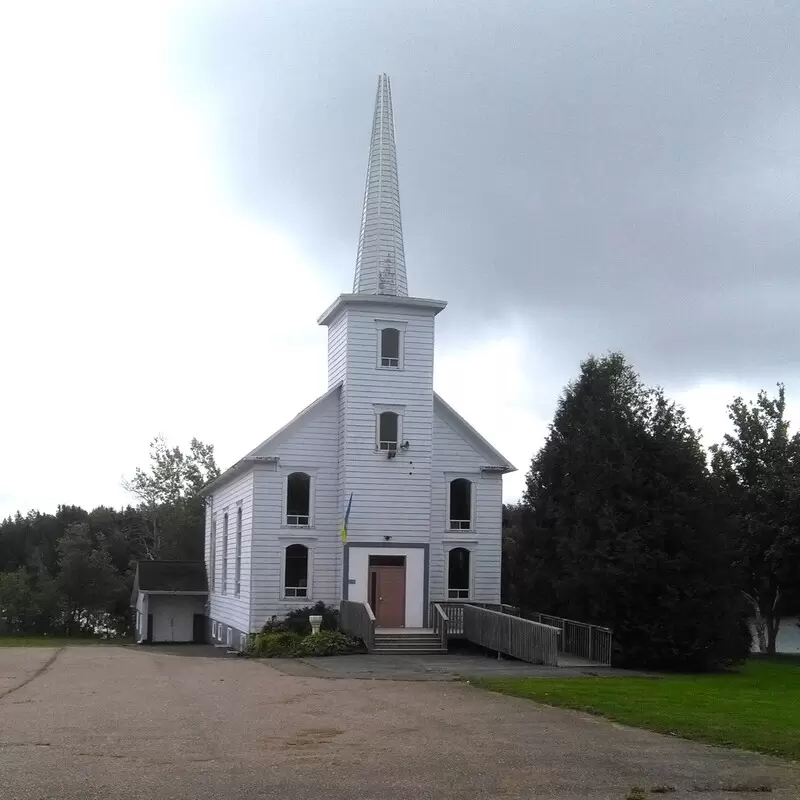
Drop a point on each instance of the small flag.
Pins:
(346, 517)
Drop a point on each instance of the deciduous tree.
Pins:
(758, 468)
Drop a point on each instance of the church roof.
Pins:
(260, 454)
(496, 461)
(381, 261)
(293, 425)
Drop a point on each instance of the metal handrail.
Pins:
(454, 608)
(580, 639)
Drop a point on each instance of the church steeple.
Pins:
(381, 262)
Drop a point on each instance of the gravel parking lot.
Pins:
(121, 722)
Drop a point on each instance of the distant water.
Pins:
(788, 636)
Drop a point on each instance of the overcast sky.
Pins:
(180, 196)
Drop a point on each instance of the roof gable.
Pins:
(265, 452)
(282, 435)
(448, 414)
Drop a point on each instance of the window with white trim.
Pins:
(237, 574)
(243, 641)
(229, 638)
(390, 348)
(213, 630)
(458, 574)
(388, 430)
(389, 343)
(225, 553)
(295, 571)
(212, 556)
(298, 500)
(460, 505)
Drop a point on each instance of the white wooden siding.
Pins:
(337, 350)
(455, 457)
(141, 616)
(400, 500)
(227, 607)
(314, 448)
(391, 497)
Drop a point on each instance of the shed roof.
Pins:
(170, 576)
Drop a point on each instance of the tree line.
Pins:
(627, 522)
(71, 573)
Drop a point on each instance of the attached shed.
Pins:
(170, 601)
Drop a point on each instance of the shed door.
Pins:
(163, 622)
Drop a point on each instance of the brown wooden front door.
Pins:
(387, 582)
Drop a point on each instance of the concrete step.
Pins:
(401, 639)
(403, 645)
(408, 651)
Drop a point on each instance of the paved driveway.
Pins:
(119, 722)
(446, 667)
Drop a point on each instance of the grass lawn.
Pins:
(51, 641)
(754, 707)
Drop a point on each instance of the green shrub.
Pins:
(326, 643)
(274, 625)
(288, 644)
(297, 620)
(272, 645)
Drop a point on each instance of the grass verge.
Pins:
(51, 641)
(754, 707)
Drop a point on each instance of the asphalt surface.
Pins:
(447, 667)
(121, 722)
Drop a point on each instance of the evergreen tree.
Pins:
(622, 526)
(87, 580)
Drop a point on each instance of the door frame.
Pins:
(374, 588)
(425, 547)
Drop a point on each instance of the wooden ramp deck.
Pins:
(537, 639)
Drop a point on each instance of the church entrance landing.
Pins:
(387, 590)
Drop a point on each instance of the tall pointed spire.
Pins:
(381, 261)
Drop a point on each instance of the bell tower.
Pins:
(380, 348)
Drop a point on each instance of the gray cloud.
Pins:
(622, 175)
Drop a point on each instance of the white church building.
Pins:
(423, 487)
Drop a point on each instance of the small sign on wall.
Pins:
(351, 580)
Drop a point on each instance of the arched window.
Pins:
(390, 347)
(458, 574)
(298, 499)
(461, 504)
(295, 571)
(388, 430)
(237, 575)
(225, 553)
